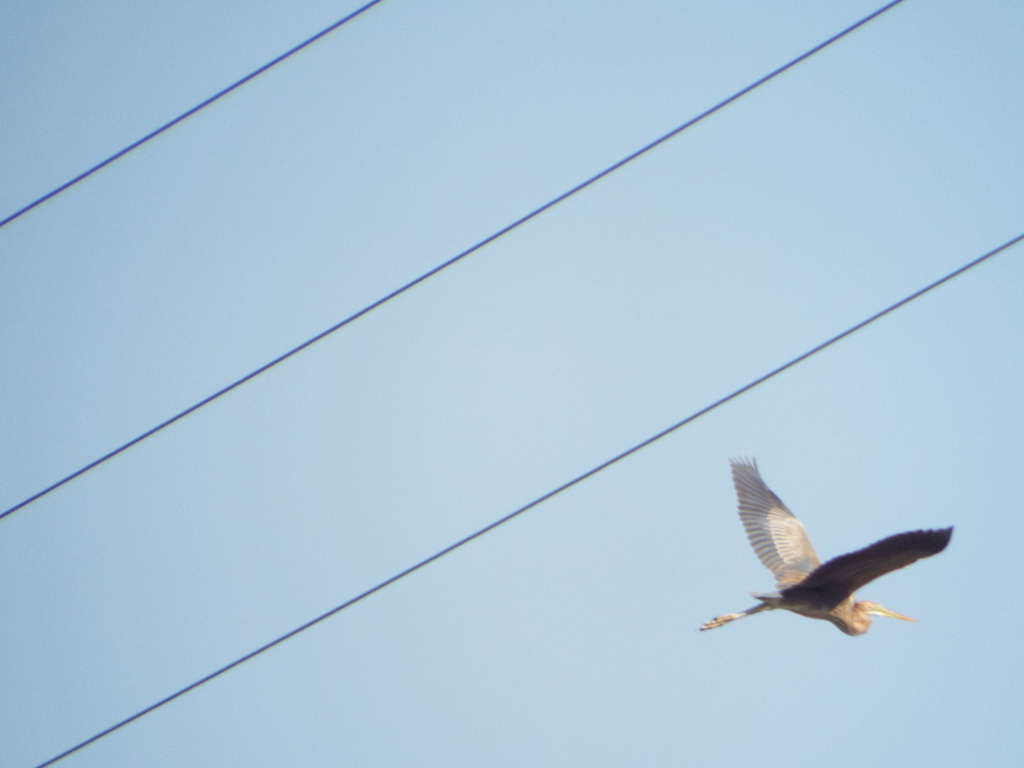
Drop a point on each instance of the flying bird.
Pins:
(805, 585)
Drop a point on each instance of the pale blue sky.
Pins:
(566, 638)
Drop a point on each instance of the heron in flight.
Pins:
(805, 585)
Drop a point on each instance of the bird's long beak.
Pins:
(878, 610)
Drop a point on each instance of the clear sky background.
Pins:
(567, 637)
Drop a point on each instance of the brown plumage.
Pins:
(806, 586)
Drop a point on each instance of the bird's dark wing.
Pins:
(778, 538)
(844, 575)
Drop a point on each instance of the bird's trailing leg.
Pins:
(725, 618)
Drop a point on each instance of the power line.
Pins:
(185, 115)
(412, 283)
(539, 500)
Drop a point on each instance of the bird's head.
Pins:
(874, 609)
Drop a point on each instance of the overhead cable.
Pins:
(185, 115)
(426, 275)
(539, 500)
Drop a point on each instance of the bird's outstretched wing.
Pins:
(845, 574)
(778, 538)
